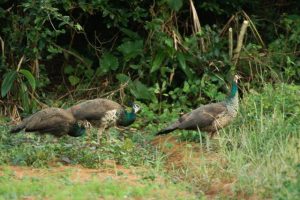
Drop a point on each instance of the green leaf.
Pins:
(130, 33)
(30, 78)
(24, 97)
(78, 27)
(123, 78)
(181, 60)
(175, 4)
(188, 72)
(108, 62)
(157, 61)
(68, 69)
(140, 91)
(74, 80)
(169, 42)
(53, 49)
(131, 49)
(89, 73)
(186, 87)
(8, 81)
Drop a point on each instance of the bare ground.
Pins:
(184, 159)
(180, 158)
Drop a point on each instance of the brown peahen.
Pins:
(211, 117)
(104, 113)
(54, 121)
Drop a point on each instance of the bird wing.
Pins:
(93, 109)
(50, 120)
(201, 117)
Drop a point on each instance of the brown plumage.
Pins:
(209, 118)
(55, 121)
(103, 113)
(93, 110)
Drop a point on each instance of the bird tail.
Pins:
(168, 129)
(17, 128)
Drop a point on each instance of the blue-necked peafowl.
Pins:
(211, 117)
(54, 121)
(104, 113)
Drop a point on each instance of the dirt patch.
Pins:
(182, 153)
(194, 164)
(80, 174)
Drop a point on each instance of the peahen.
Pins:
(210, 117)
(104, 113)
(54, 121)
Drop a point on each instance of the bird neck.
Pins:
(232, 100)
(76, 131)
(126, 118)
(234, 90)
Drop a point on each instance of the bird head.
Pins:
(135, 107)
(236, 78)
(77, 130)
(127, 118)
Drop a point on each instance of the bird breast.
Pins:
(222, 121)
(108, 120)
(110, 117)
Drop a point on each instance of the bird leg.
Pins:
(208, 138)
(88, 126)
(100, 132)
(108, 139)
(212, 134)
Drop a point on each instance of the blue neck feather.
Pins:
(76, 131)
(127, 118)
(234, 90)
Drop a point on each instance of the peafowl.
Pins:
(55, 121)
(210, 117)
(104, 113)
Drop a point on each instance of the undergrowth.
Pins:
(258, 155)
(40, 151)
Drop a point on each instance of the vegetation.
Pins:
(169, 56)
(258, 156)
(62, 185)
(154, 52)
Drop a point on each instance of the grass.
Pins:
(257, 156)
(39, 151)
(262, 148)
(62, 186)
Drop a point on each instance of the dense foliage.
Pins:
(152, 51)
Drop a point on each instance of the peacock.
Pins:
(104, 113)
(54, 121)
(211, 117)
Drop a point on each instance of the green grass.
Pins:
(262, 147)
(259, 155)
(61, 186)
(38, 151)
(260, 151)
